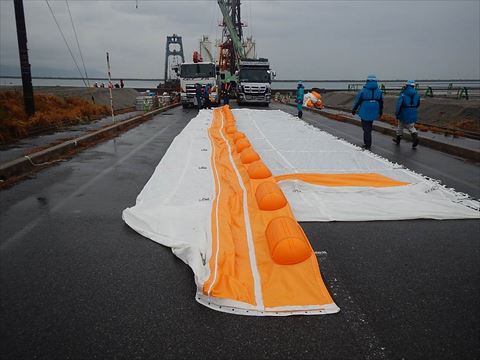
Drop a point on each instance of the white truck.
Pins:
(254, 81)
(193, 73)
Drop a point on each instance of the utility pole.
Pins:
(110, 87)
(24, 64)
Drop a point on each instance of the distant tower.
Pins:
(174, 54)
(206, 49)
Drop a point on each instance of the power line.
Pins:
(66, 43)
(78, 44)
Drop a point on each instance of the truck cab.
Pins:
(254, 82)
(192, 73)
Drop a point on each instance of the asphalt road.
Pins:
(77, 283)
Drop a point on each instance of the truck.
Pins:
(254, 77)
(191, 73)
(254, 81)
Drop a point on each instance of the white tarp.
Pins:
(288, 145)
(175, 206)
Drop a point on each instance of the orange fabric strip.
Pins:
(230, 274)
(285, 265)
(360, 180)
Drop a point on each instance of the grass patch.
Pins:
(51, 112)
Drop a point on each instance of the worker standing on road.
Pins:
(370, 102)
(406, 112)
(206, 101)
(198, 95)
(299, 98)
(226, 92)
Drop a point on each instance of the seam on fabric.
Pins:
(251, 246)
(182, 176)
(277, 151)
(273, 147)
(217, 226)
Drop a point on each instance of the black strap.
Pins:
(373, 96)
(412, 105)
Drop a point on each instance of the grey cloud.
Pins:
(303, 39)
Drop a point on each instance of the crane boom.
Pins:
(237, 43)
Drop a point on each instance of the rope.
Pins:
(66, 43)
(78, 44)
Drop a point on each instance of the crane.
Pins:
(234, 36)
(253, 77)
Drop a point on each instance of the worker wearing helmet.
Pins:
(198, 96)
(406, 112)
(299, 98)
(206, 97)
(369, 103)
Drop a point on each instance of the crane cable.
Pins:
(78, 44)
(66, 43)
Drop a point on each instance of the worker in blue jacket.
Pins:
(406, 112)
(369, 103)
(299, 98)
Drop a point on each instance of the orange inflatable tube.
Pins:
(260, 255)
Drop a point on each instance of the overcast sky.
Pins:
(302, 39)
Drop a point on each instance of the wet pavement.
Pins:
(28, 145)
(77, 283)
(463, 142)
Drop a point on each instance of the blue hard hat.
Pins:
(371, 77)
(410, 82)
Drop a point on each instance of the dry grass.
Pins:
(51, 112)
(469, 125)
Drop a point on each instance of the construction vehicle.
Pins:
(254, 82)
(253, 77)
(197, 72)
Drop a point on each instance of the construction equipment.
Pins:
(197, 72)
(206, 49)
(254, 81)
(231, 49)
(253, 77)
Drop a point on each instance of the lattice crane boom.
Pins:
(236, 41)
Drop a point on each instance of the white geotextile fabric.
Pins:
(289, 145)
(174, 207)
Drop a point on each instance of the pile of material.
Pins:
(313, 100)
